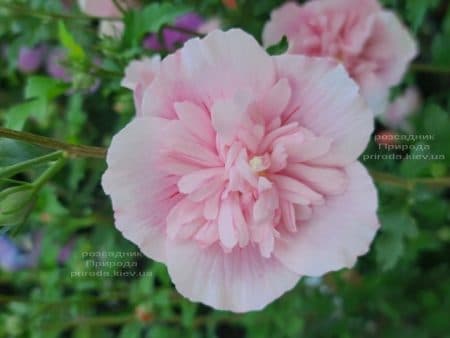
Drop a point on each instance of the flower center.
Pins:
(259, 164)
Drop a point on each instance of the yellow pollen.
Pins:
(257, 165)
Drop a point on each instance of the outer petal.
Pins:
(392, 46)
(141, 196)
(215, 67)
(141, 72)
(239, 281)
(326, 101)
(283, 21)
(337, 233)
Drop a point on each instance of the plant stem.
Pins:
(50, 172)
(424, 68)
(46, 142)
(26, 11)
(98, 152)
(410, 183)
(95, 321)
(183, 30)
(119, 6)
(16, 168)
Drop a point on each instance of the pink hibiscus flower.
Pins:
(371, 42)
(397, 113)
(241, 173)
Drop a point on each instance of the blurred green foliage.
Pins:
(106, 288)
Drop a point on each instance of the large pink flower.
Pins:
(371, 42)
(241, 171)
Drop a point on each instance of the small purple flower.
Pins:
(30, 59)
(66, 251)
(12, 258)
(173, 38)
(55, 67)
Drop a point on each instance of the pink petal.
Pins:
(323, 92)
(329, 181)
(338, 232)
(196, 120)
(284, 21)
(273, 103)
(290, 185)
(184, 212)
(238, 281)
(246, 63)
(193, 181)
(227, 231)
(141, 198)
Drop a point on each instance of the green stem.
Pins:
(409, 184)
(423, 68)
(16, 168)
(95, 321)
(183, 30)
(26, 11)
(119, 6)
(46, 142)
(98, 152)
(50, 172)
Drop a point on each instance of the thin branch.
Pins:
(16, 168)
(424, 68)
(47, 142)
(183, 30)
(27, 11)
(410, 183)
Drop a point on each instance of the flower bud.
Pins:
(15, 205)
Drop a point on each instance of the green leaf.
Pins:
(279, 48)
(17, 115)
(149, 19)
(44, 87)
(12, 152)
(397, 226)
(416, 11)
(76, 52)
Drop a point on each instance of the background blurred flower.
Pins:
(13, 258)
(173, 38)
(371, 42)
(55, 64)
(103, 8)
(210, 25)
(231, 4)
(395, 116)
(241, 170)
(107, 9)
(31, 58)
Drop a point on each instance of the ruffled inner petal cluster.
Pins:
(247, 174)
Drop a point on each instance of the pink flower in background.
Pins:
(240, 172)
(107, 9)
(30, 59)
(372, 43)
(395, 116)
(139, 74)
(209, 25)
(103, 8)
